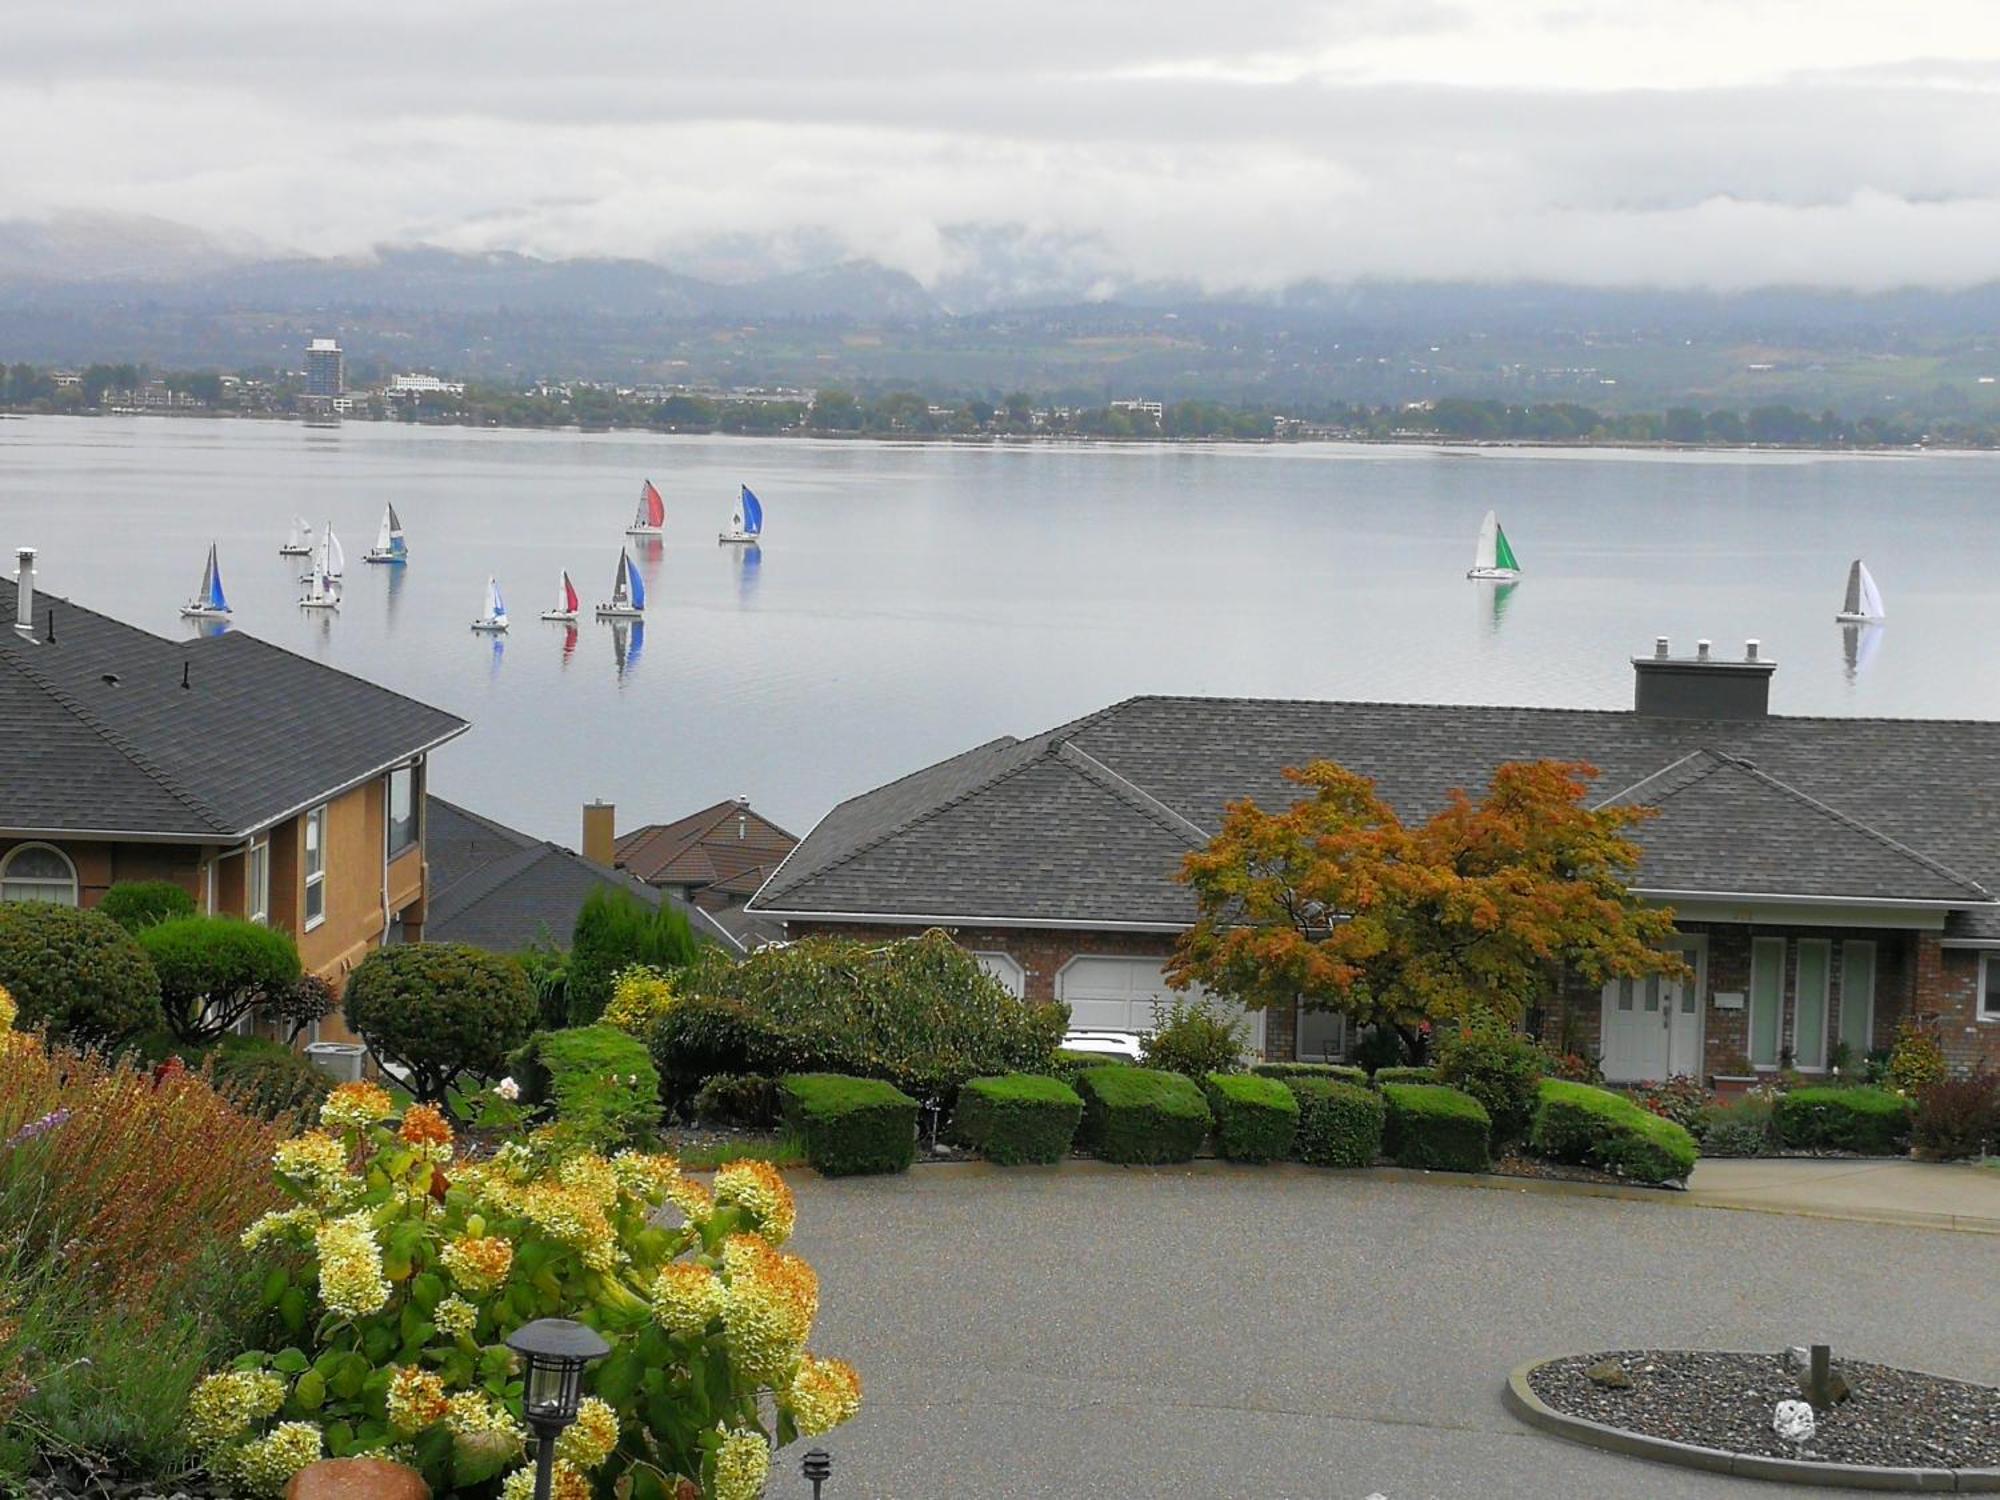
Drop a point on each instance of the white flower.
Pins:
(507, 1089)
(1793, 1422)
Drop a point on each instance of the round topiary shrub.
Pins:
(437, 1010)
(140, 903)
(77, 972)
(1502, 1071)
(216, 970)
(267, 1078)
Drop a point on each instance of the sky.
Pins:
(1249, 145)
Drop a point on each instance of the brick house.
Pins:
(268, 786)
(1830, 876)
(714, 859)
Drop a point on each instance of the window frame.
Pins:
(1979, 1011)
(990, 959)
(36, 846)
(257, 882)
(392, 850)
(312, 843)
(1778, 1015)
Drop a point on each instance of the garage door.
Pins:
(1119, 994)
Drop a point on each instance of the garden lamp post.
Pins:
(555, 1351)
(817, 1467)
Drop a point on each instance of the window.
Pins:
(1989, 987)
(38, 872)
(1809, 1009)
(1767, 999)
(257, 883)
(402, 809)
(315, 867)
(1857, 998)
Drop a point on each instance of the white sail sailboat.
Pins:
(566, 601)
(389, 544)
(329, 560)
(651, 517)
(320, 591)
(1863, 604)
(208, 602)
(495, 618)
(628, 593)
(300, 541)
(747, 524)
(1494, 557)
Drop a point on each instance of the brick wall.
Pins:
(1947, 996)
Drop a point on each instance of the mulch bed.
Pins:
(1898, 1418)
(1518, 1164)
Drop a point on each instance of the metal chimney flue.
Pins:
(24, 591)
(1701, 650)
(1702, 686)
(1660, 648)
(1751, 648)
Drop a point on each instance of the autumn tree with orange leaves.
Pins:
(1471, 917)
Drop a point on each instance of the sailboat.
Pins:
(495, 618)
(331, 560)
(300, 542)
(1494, 557)
(651, 517)
(208, 602)
(628, 593)
(1863, 604)
(747, 524)
(320, 591)
(565, 606)
(389, 544)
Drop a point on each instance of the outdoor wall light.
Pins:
(817, 1466)
(555, 1350)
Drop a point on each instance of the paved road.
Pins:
(1214, 1331)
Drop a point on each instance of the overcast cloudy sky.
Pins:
(1243, 144)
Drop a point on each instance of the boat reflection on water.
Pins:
(396, 576)
(749, 564)
(569, 642)
(1859, 643)
(499, 651)
(210, 626)
(1493, 601)
(628, 639)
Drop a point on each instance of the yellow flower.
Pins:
(825, 1393)
(9, 1011)
(223, 1406)
(356, 1104)
(426, 1128)
(267, 1465)
(643, 1175)
(575, 1217)
(686, 1298)
(588, 1441)
(568, 1484)
(472, 1413)
(691, 1198)
(317, 1162)
(769, 1303)
(295, 1224)
(478, 1264)
(455, 1317)
(742, 1464)
(758, 1187)
(416, 1399)
(351, 1283)
(591, 1175)
(639, 997)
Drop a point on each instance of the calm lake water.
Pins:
(911, 601)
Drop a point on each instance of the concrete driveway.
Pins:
(1219, 1331)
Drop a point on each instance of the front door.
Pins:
(1652, 1026)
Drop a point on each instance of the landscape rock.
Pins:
(1609, 1374)
(357, 1479)
(1799, 1358)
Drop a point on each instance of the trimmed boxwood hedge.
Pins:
(1872, 1121)
(1404, 1075)
(1256, 1118)
(1070, 1066)
(1344, 1072)
(1594, 1127)
(1340, 1123)
(599, 1079)
(851, 1125)
(1018, 1117)
(1432, 1126)
(1141, 1115)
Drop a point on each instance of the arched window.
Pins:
(38, 872)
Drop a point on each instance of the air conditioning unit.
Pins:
(343, 1060)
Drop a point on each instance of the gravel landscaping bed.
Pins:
(1896, 1418)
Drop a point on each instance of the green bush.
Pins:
(437, 1010)
(700, 1037)
(746, 1099)
(1594, 1127)
(1741, 1127)
(1380, 1047)
(1256, 1119)
(268, 1078)
(1874, 1122)
(1383, 1076)
(1194, 1038)
(547, 969)
(598, 1080)
(1142, 1114)
(140, 903)
(1340, 1072)
(1429, 1125)
(1957, 1117)
(1501, 1071)
(1019, 1117)
(214, 971)
(614, 930)
(851, 1125)
(77, 972)
(1069, 1065)
(1340, 1123)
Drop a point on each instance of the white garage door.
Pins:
(1119, 994)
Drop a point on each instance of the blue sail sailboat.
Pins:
(390, 547)
(747, 524)
(209, 603)
(628, 593)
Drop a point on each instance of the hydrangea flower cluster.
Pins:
(351, 1283)
(824, 1393)
(478, 1263)
(416, 1399)
(760, 1189)
(742, 1464)
(356, 1106)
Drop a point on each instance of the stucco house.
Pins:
(269, 786)
(1830, 876)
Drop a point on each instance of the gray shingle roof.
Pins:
(1878, 809)
(103, 736)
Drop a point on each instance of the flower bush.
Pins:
(1682, 1099)
(1917, 1060)
(416, 1266)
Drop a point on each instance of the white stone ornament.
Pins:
(1794, 1422)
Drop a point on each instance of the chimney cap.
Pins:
(1660, 647)
(24, 554)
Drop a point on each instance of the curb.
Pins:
(1522, 1401)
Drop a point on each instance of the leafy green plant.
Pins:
(851, 1126)
(76, 972)
(215, 971)
(1875, 1122)
(1571, 1066)
(547, 968)
(1499, 1069)
(1068, 1065)
(1142, 1115)
(1595, 1127)
(1018, 1118)
(1256, 1119)
(1682, 1098)
(1384, 1076)
(701, 1037)
(1380, 1047)
(745, 1099)
(437, 1010)
(1195, 1038)
(1340, 1123)
(134, 904)
(1429, 1125)
(598, 1081)
(1340, 1072)
(267, 1078)
(1958, 1117)
(615, 930)
(1741, 1127)
(1915, 1063)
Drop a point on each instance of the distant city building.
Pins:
(326, 372)
(1157, 410)
(424, 385)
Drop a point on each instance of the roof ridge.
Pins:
(1701, 752)
(1525, 708)
(118, 742)
(1161, 812)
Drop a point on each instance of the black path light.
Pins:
(817, 1466)
(556, 1350)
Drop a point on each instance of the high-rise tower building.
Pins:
(326, 373)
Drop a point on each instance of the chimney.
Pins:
(1702, 686)
(742, 819)
(24, 592)
(600, 836)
